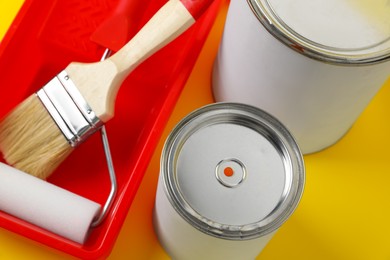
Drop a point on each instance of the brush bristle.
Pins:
(31, 141)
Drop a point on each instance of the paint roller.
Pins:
(46, 205)
(51, 207)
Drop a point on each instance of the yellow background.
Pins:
(345, 210)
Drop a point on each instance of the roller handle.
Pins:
(100, 82)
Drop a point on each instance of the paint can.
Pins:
(313, 64)
(230, 176)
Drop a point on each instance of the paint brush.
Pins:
(44, 129)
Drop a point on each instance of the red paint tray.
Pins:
(43, 40)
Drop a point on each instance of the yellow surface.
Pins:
(345, 210)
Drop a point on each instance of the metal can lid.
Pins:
(232, 171)
(344, 32)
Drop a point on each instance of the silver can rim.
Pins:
(274, 129)
(274, 25)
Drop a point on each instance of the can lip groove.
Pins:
(241, 114)
(339, 56)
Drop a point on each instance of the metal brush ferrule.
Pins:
(72, 114)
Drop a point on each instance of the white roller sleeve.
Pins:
(45, 205)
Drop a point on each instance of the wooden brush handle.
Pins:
(170, 21)
(100, 82)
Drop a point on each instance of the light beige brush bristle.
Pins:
(31, 141)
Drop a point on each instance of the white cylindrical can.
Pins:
(230, 176)
(313, 64)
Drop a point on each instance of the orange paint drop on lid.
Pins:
(228, 171)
